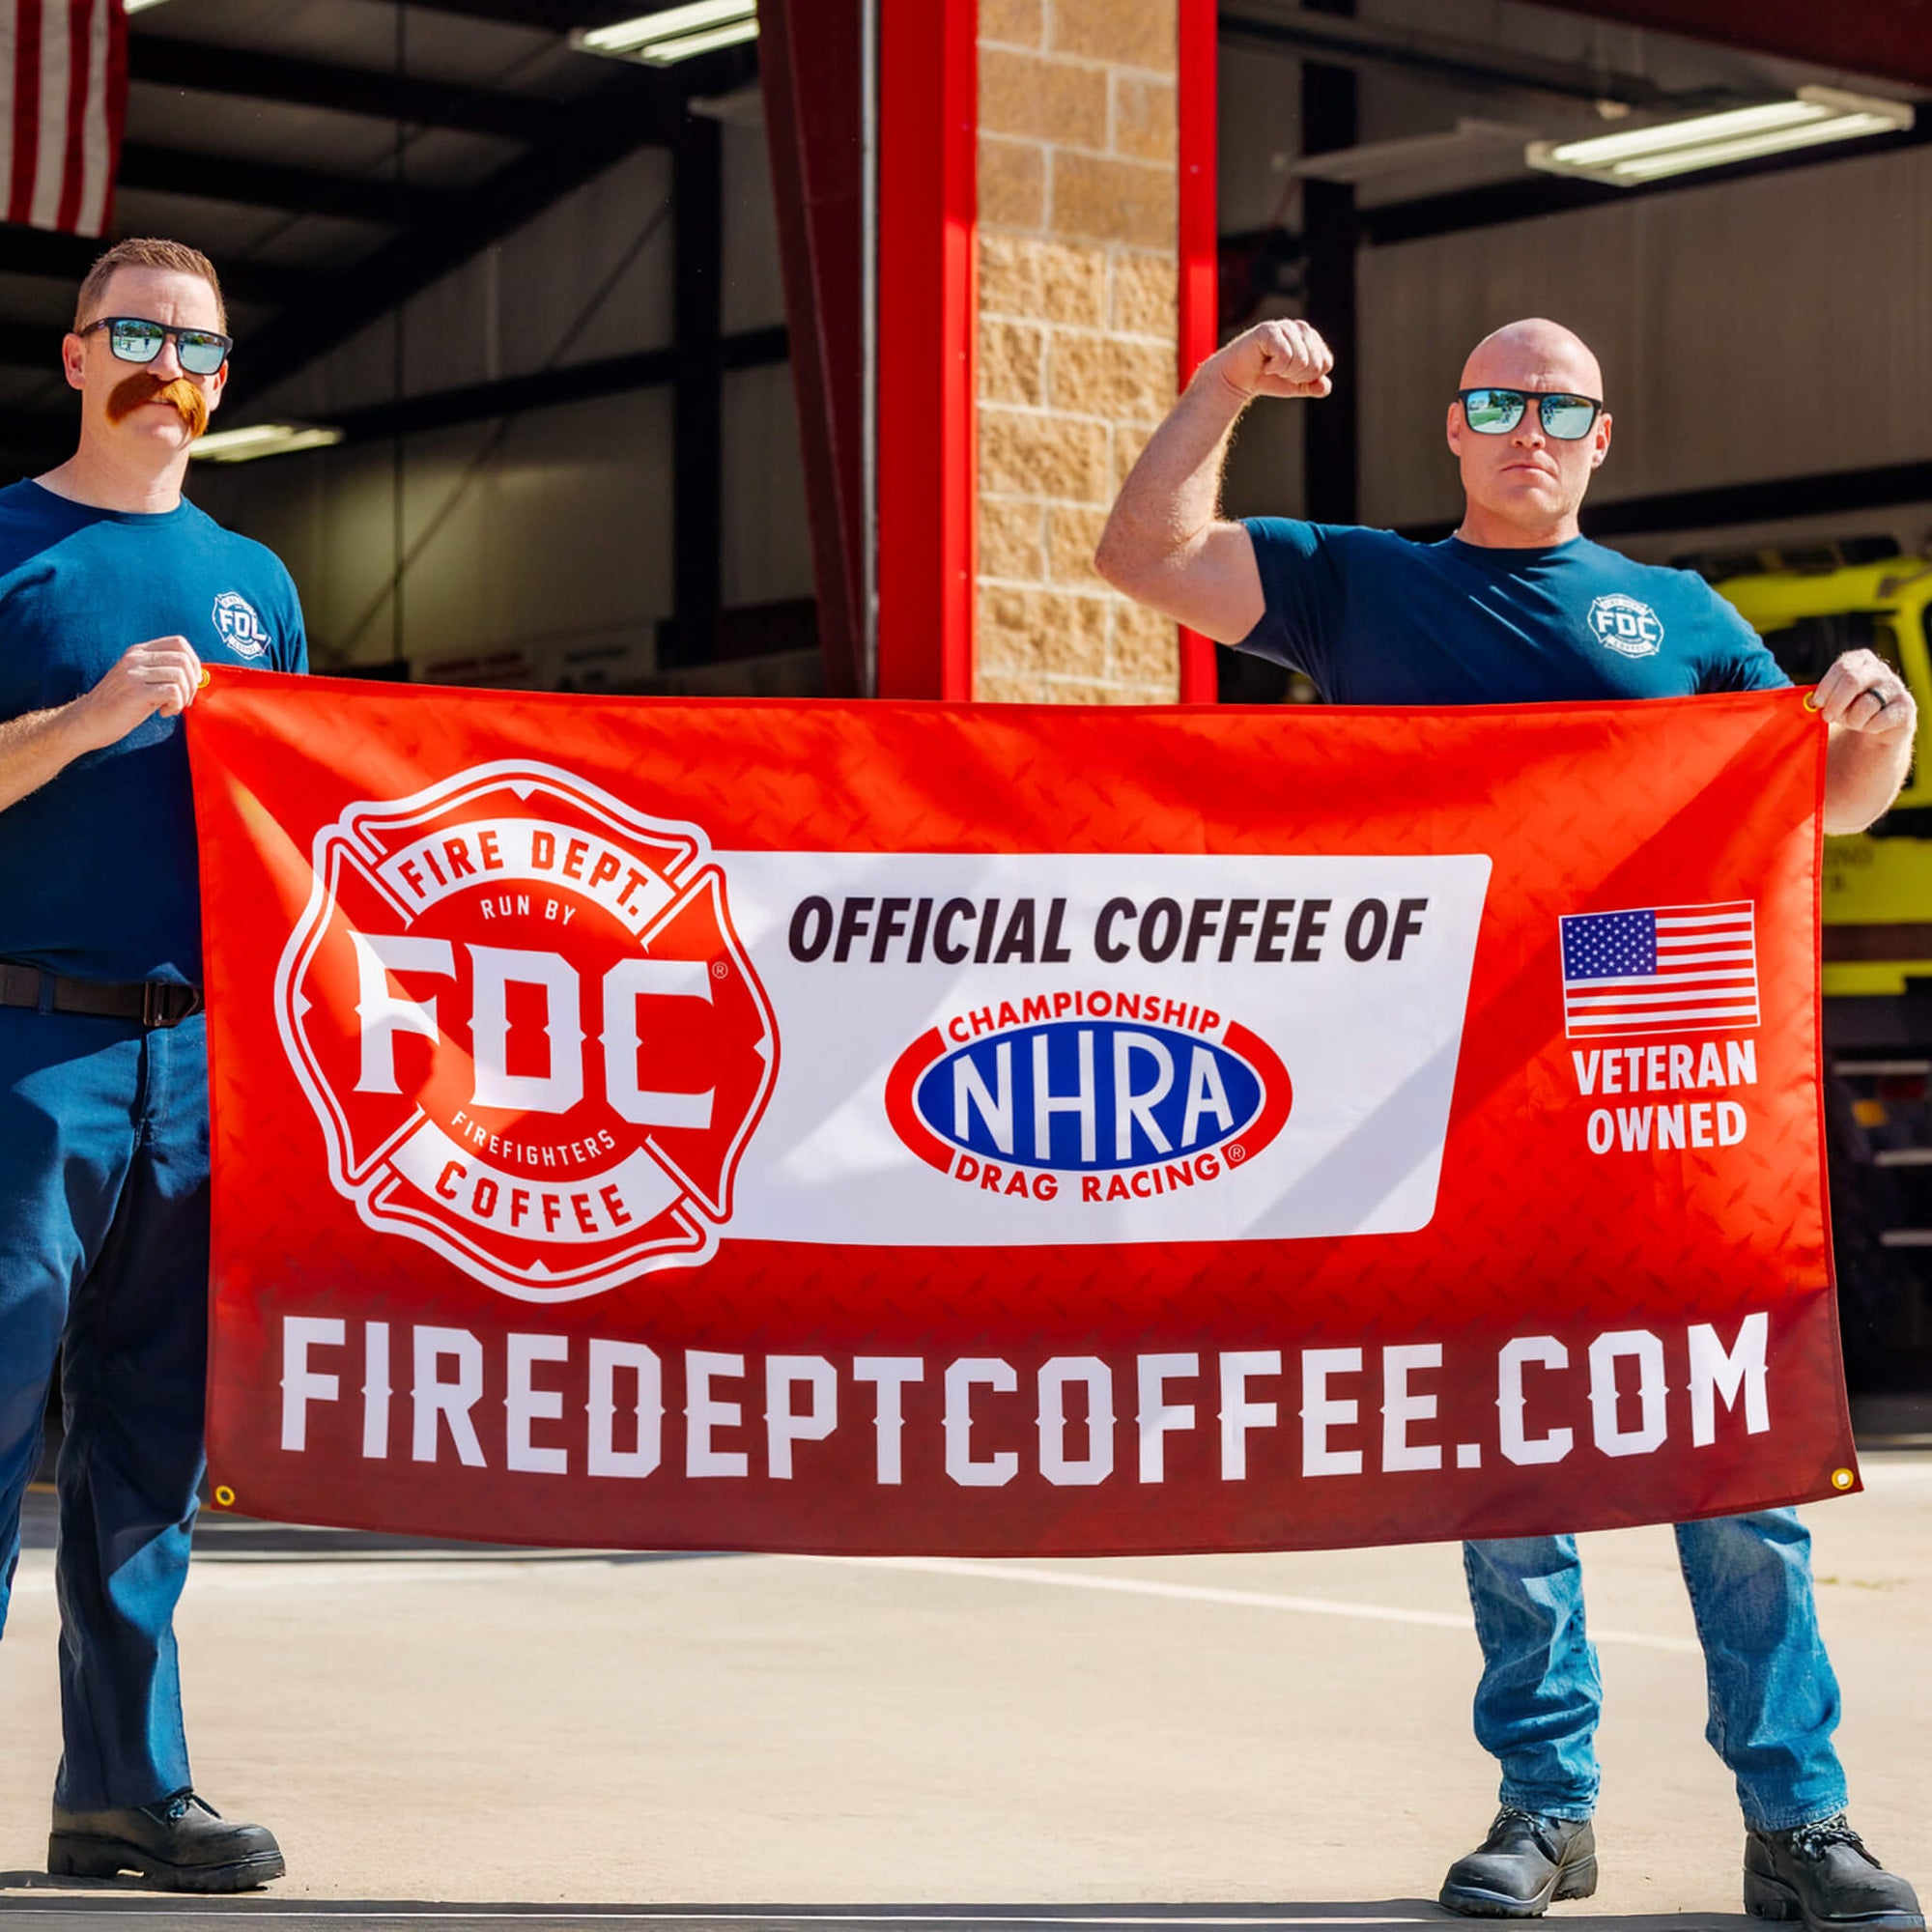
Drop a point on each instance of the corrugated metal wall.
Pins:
(1763, 328)
(558, 549)
(1779, 327)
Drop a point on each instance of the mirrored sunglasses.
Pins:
(1497, 412)
(202, 351)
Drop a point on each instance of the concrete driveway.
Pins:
(422, 1723)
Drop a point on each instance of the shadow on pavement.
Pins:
(220, 1538)
(72, 1906)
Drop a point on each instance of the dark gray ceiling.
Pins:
(333, 156)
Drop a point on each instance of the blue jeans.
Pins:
(103, 1257)
(1774, 1697)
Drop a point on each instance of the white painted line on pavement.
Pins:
(219, 1578)
(1205, 1593)
(1885, 1470)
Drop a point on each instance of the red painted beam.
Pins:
(810, 66)
(927, 305)
(1886, 38)
(1200, 263)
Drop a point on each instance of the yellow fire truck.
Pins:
(1877, 914)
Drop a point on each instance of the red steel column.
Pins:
(811, 61)
(927, 306)
(1200, 253)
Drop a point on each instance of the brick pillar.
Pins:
(1077, 324)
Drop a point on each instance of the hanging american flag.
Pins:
(64, 92)
(1663, 969)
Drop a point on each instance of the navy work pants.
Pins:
(103, 1257)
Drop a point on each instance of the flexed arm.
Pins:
(1166, 541)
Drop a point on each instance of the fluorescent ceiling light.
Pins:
(140, 6)
(1656, 167)
(244, 445)
(661, 53)
(676, 34)
(666, 24)
(1815, 116)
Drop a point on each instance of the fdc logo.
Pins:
(239, 625)
(1624, 625)
(529, 1034)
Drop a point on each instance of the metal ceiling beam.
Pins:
(1893, 40)
(43, 430)
(1362, 45)
(1534, 195)
(636, 107)
(552, 16)
(259, 184)
(1731, 506)
(548, 388)
(67, 258)
(159, 59)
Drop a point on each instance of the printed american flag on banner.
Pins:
(64, 87)
(1660, 969)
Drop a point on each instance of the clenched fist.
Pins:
(160, 675)
(1276, 359)
(1863, 693)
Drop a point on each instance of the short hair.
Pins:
(143, 251)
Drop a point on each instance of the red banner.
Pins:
(910, 1128)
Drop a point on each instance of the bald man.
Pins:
(1519, 607)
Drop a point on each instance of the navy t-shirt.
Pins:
(98, 872)
(1375, 619)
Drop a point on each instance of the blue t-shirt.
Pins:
(98, 872)
(1375, 619)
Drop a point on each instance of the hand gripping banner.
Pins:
(909, 1129)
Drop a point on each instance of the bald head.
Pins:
(1533, 354)
(1524, 486)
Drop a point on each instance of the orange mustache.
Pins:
(131, 393)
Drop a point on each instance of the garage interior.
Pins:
(533, 292)
(534, 297)
(524, 298)
(1426, 227)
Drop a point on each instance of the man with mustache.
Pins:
(1519, 607)
(114, 591)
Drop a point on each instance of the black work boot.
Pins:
(1823, 1874)
(1526, 1862)
(181, 1844)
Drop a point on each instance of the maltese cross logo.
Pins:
(529, 1034)
(1625, 625)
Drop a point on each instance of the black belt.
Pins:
(151, 1003)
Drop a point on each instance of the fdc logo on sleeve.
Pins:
(1626, 626)
(240, 626)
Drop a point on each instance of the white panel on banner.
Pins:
(1351, 975)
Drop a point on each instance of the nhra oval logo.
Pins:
(1122, 1095)
(240, 626)
(529, 1034)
